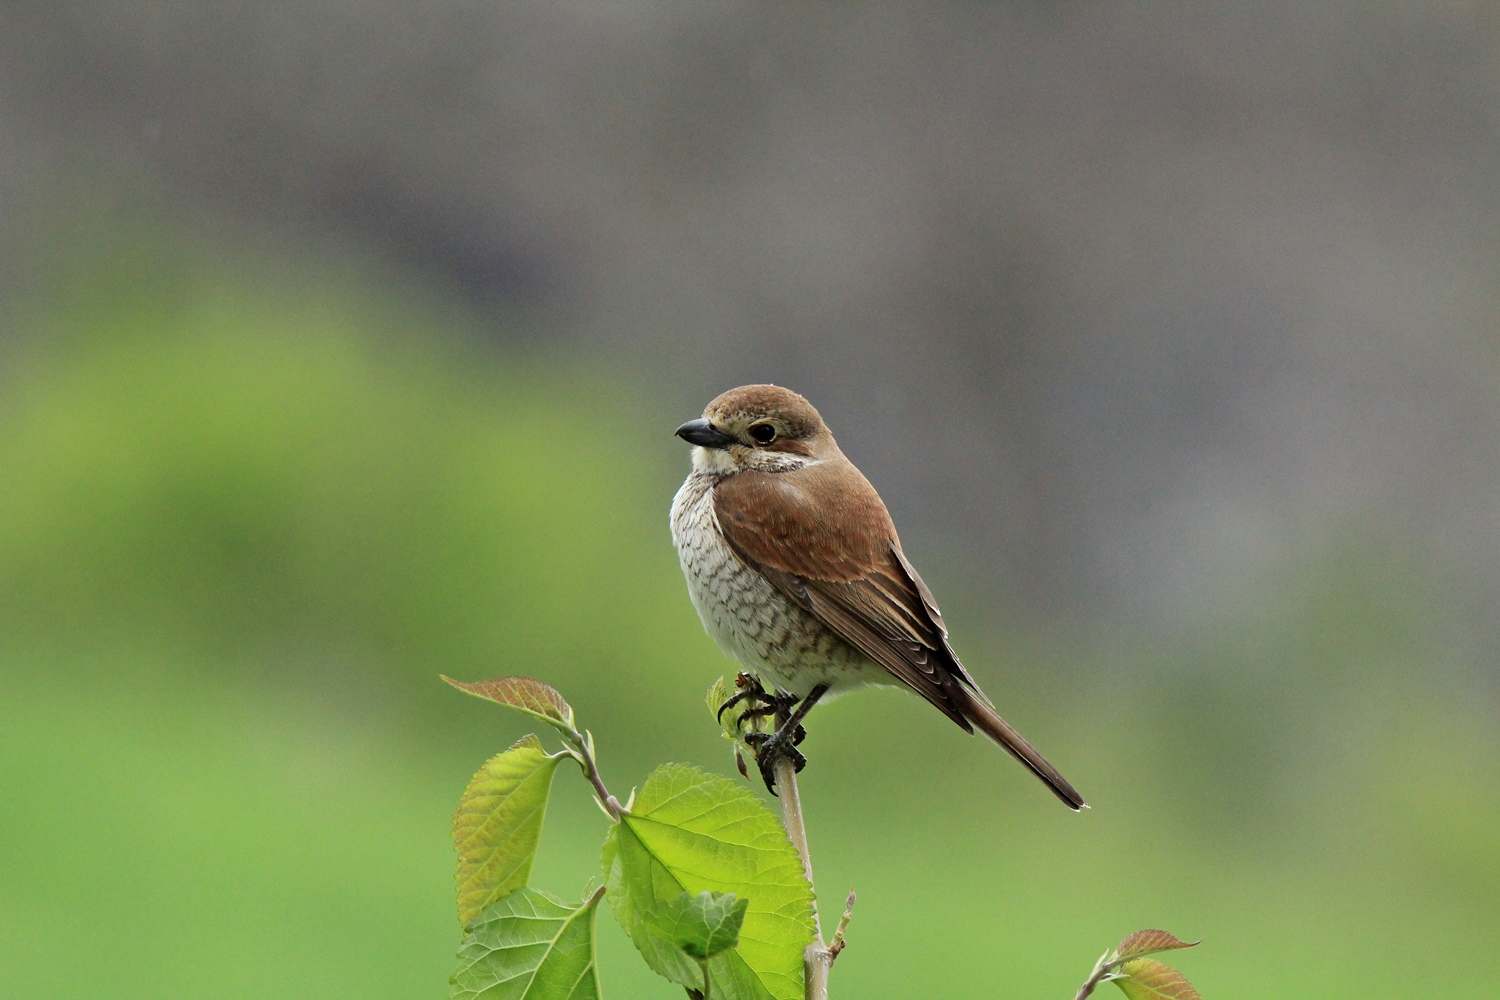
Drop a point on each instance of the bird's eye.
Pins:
(763, 433)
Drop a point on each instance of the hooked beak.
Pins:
(701, 432)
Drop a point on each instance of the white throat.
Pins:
(721, 461)
(713, 462)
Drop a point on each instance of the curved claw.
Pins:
(769, 749)
(759, 712)
(749, 690)
(730, 703)
(765, 704)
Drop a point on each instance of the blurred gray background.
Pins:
(1120, 302)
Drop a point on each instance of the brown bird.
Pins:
(796, 570)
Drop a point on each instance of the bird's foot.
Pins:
(749, 690)
(771, 748)
(763, 704)
(779, 707)
(786, 710)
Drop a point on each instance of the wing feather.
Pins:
(839, 559)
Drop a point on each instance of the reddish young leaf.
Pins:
(523, 694)
(1148, 979)
(1148, 942)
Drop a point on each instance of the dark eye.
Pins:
(763, 433)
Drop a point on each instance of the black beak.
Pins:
(701, 432)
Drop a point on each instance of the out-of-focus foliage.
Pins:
(246, 521)
(313, 479)
(1124, 302)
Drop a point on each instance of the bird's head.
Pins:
(758, 427)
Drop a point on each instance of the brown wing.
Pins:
(838, 557)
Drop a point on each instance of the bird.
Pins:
(795, 568)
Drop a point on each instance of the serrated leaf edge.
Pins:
(567, 723)
(692, 776)
(1118, 954)
(1121, 976)
(530, 742)
(589, 904)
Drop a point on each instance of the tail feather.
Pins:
(982, 715)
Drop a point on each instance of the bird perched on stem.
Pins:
(796, 570)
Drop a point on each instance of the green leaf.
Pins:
(701, 925)
(499, 822)
(1148, 979)
(718, 693)
(538, 700)
(690, 831)
(1149, 942)
(529, 946)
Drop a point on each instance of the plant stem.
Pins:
(1101, 969)
(791, 818)
(836, 943)
(584, 746)
(817, 959)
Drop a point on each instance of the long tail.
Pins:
(979, 712)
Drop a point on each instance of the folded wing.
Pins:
(839, 558)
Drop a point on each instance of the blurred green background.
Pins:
(333, 360)
(248, 517)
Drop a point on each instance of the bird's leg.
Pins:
(792, 727)
(763, 705)
(783, 742)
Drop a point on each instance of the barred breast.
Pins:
(751, 620)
